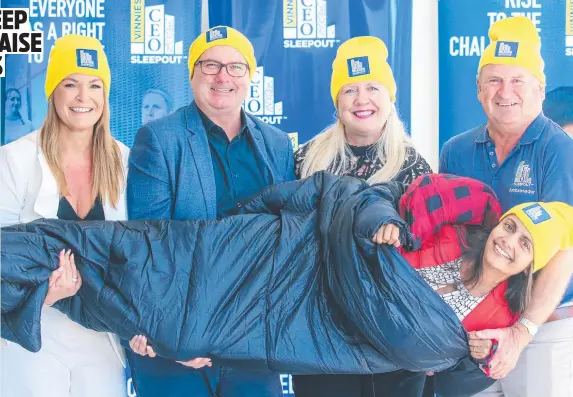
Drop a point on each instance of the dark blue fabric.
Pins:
(391, 384)
(160, 377)
(170, 172)
(67, 212)
(538, 168)
(293, 285)
(236, 166)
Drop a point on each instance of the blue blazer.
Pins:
(170, 173)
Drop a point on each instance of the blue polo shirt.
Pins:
(538, 168)
(236, 166)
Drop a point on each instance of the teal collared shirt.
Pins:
(238, 170)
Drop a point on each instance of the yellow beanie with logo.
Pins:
(74, 53)
(515, 41)
(224, 36)
(358, 59)
(551, 228)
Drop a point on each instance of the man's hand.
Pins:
(388, 234)
(197, 363)
(139, 345)
(511, 342)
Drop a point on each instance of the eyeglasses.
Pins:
(234, 69)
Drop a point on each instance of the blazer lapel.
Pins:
(259, 145)
(199, 147)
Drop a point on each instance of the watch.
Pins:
(531, 327)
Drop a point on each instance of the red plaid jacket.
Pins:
(432, 205)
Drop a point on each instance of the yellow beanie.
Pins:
(514, 41)
(76, 54)
(550, 225)
(222, 35)
(361, 59)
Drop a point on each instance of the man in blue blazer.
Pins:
(201, 162)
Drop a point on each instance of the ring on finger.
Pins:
(74, 280)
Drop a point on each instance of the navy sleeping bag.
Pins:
(292, 284)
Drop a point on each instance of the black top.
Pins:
(67, 213)
(364, 163)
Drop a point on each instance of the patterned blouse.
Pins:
(364, 164)
(460, 300)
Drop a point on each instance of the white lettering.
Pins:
(522, 4)
(67, 8)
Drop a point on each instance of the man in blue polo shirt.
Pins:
(200, 162)
(524, 157)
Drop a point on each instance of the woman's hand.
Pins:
(388, 234)
(64, 281)
(197, 363)
(479, 348)
(139, 345)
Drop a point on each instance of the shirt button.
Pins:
(493, 166)
(491, 153)
(489, 143)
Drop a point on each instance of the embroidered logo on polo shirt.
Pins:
(523, 175)
(536, 213)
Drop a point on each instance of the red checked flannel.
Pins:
(432, 205)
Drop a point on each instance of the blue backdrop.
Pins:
(138, 61)
(463, 27)
(295, 43)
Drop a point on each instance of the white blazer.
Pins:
(28, 191)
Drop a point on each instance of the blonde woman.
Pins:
(71, 168)
(367, 141)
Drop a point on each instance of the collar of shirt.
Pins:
(530, 135)
(364, 151)
(214, 129)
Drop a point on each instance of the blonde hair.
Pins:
(107, 164)
(330, 151)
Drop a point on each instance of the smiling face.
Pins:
(220, 92)
(509, 248)
(363, 108)
(510, 95)
(79, 101)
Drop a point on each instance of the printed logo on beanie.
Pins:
(506, 49)
(536, 213)
(216, 34)
(86, 58)
(358, 66)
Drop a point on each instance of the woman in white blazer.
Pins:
(71, 168)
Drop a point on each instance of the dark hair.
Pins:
(473, 245)
(558, 105)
